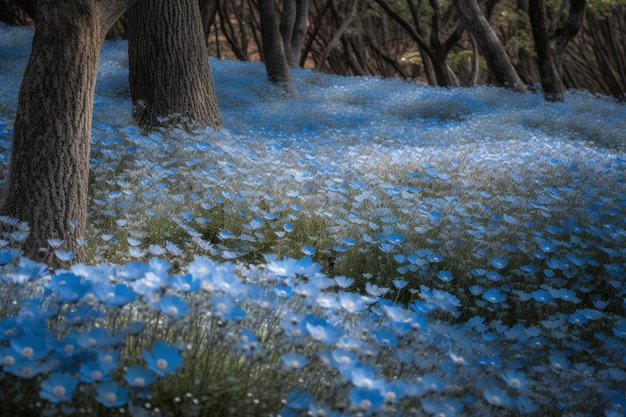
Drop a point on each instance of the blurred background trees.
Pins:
(424, 40)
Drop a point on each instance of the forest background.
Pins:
(362, 38)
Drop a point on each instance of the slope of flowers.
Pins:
(371, 247)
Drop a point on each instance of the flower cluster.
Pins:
(377, 248)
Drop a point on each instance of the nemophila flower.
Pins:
(559, 361)
(375, 290)
(393, 391)
(499, 262)
(363, 375)
(97, 337)
(164, 359)
(444, 275)
(446, 408)
(58, 387)
(497, 396)
(21, 366)
(172, 305)
(185, 283)
(82, 313)
(319, 329)
(247, 341)
(33, 346)
(432, 382)
(351, 302)
(515, 379)
(299, 400)
(111, 394)
(69, 287)
(293, 361)
(96, 371)
(139, 377)
(578, 318)
(542, 296)
(384, 337)
(9, 328)
(225, 308)
(68, 346)
(115, 295)
(366, 400)
(494, 296)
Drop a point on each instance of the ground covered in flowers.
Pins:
(371, 247)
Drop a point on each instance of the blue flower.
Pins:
(58, 387)
(9, 328)
(444, 275)
(384, 337)
(499, 262)
(446, 408)
(542, 296)
(172, 305)
(139, 377)
(69, 287)
(366, 400)
(496, 396)
(96, 371)
(21, 366)
(117, 295)
(185, 283)
(363, 375)
(164, 359)
(33, 346)
(494, 295)
(515, 379)
(351, 302)
(247, 341)
(224, 308)
(97, 337)
(293, 361)
(110, 394)
(319, 329)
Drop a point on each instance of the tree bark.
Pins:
(293, 26)
(489, 45)
(169, 74)
(273, 48)
(550, 44)
(49, 167)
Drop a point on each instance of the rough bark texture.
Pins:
(170, 78)
(489, 45)
(49, 167)
(293, 28)
(273, 48)
(550, 45)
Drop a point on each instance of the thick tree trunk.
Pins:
(273, 48)
(550, 44)
(49, 167)
(489, 45)
(170, 78)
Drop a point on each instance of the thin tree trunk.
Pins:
(49, 167)
(170, 78)
(333, 42)
(489, 45)
(550, 43)
(273, 49)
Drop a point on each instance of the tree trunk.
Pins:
(273, 48)
(489, 45)
(170, 78)
(293, 27)
(49, 167)
(550, 44)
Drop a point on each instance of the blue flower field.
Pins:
(370, 248)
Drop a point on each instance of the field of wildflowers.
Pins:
(373, 248)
